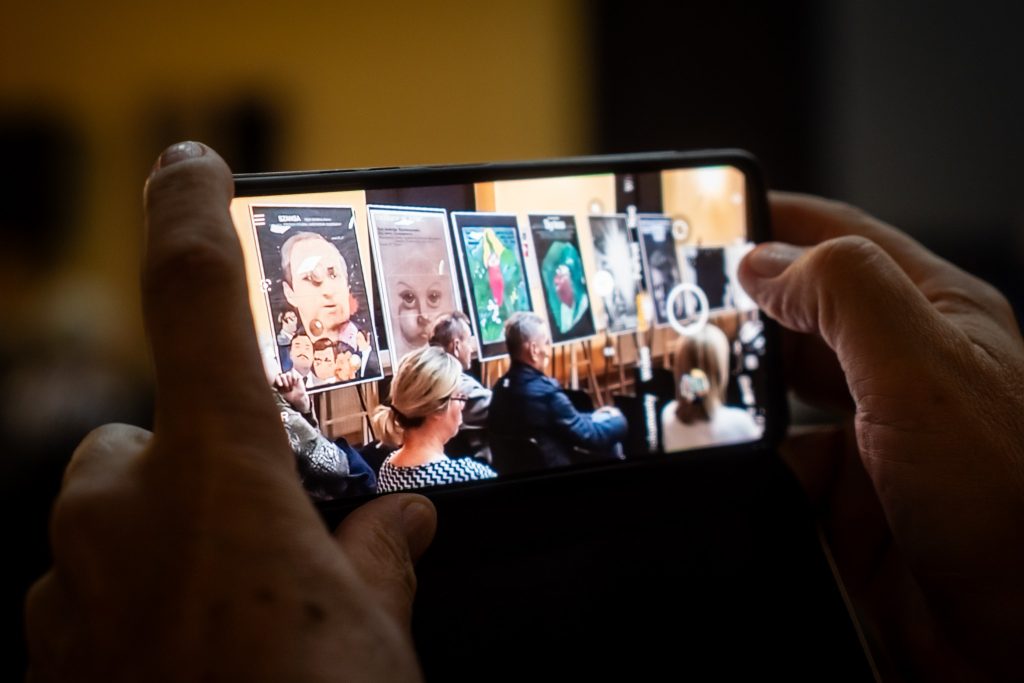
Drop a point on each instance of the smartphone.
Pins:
(630, 261)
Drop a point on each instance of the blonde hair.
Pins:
(700, 365)
(425, 380)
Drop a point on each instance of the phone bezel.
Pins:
(759, 230)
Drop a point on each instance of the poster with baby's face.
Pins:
(562, 277)
(616, 279)
(312, 277)
(414, 270)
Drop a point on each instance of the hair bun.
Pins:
(694, 385)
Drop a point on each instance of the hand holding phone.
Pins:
(209, 497)
(192, 553)
(927, 362)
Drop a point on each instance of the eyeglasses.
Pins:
(457, 397)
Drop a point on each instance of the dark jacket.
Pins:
(528, 406)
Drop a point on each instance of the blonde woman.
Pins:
(698, 416)
(422, 414)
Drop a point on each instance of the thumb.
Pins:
(196, 304)
(852, 294)
(383, 538)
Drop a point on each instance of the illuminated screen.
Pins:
(632, 337)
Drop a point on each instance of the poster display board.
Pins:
(312, 278)
(494, 272)
(563, 277)
(413, 255)
(615, 281)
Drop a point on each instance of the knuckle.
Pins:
(392, 561)
(166, 189)
(96, 483)
(850, 215)
(194, 258)
(839, 259)
(70, 513)
(995, 301)
(37, 592)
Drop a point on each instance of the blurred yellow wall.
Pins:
(355, 84)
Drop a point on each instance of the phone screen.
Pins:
(645, 331)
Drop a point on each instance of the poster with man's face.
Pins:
(615, 280)
(414, 267)
(314, 287)
(562, 277)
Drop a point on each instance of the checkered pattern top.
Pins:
(447, 471)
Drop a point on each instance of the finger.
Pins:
(806, 220)
(97, 481)
(813, 372)
(383, 539)
(851, 293)
(103, 457)
(196, 305)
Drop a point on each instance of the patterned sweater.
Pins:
(448, 471)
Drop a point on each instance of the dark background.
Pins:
(910, 110)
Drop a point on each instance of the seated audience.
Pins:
(527, 404)
(423, 412)
(452, 332)
(327, 469)
(698, 417)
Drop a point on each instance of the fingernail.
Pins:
(179, 152)
(418, 521)
(772, 258)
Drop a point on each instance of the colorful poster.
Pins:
(661, 265)
(413, 254)
(494, 273)
(562, 277)
(616, 280)
(315, 292)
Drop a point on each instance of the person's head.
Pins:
(424, 396)
(528, 340)
(452, 332)
(324, 354)
(700, 366)
(301, 352)
(420, 292)
(288, 321)
(316, 284)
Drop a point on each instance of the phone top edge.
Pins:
(282, 182)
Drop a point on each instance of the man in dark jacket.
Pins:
(532, 422)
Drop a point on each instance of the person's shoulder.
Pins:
(469, 382)
(736, 421)
(473, 468)
(668, 411)
(735, 415)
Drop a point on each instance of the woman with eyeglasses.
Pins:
(423, 412)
